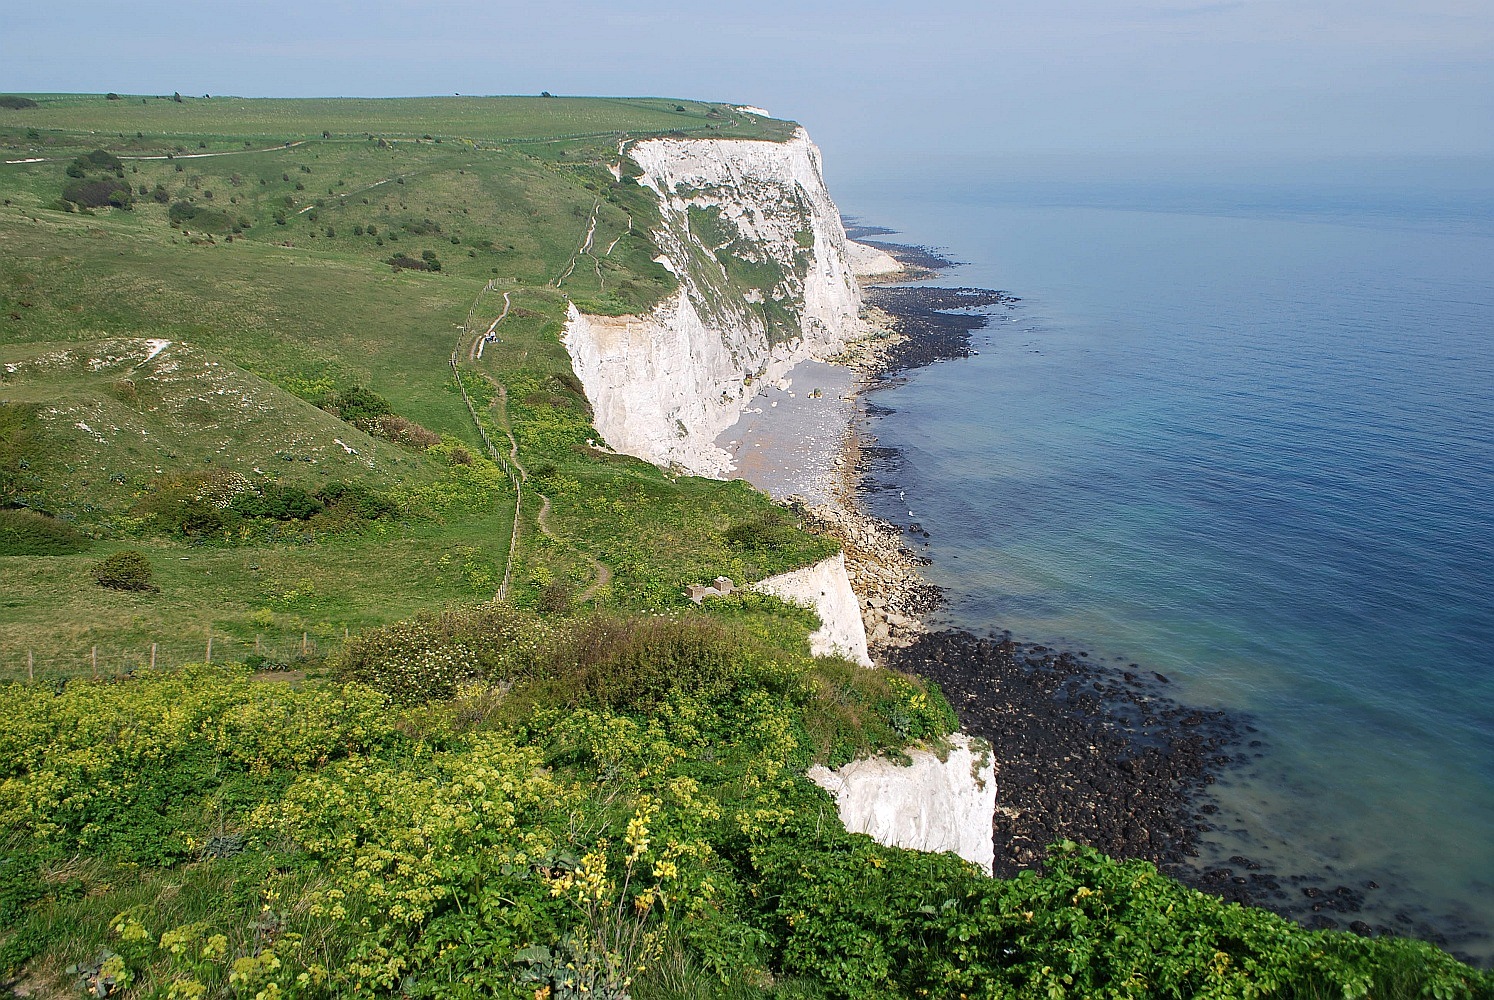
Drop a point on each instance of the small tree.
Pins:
(125, 570)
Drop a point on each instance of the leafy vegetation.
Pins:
(33, 533)
(593, 787)
(602, 807)
(124, 570)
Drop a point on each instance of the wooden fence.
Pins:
(277, 651)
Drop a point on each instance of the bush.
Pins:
(354, 404)
(278, 503)
(357, 500)
(412, 662)
(32, 533)
(94, 162)
(125, 570)
(769, 533)
(99, 193)
(200, 217)
(393, 427)
(17, 103)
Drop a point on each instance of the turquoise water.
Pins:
(1242, 436)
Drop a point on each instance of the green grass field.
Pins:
(186, 335)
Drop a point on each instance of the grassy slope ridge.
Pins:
(286, 289)
(594, 788)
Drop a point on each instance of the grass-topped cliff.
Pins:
(227, 330)
(267, 269)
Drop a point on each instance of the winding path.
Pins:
(517, 474)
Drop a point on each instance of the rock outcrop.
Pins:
(826, 588)
(758, 247)
(930, 805)
(881, 570)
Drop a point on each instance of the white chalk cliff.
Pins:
(758, 247)
(931, 805)
(826, 588)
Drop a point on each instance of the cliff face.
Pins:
(750, 231)
(930, 805)
(826, 588)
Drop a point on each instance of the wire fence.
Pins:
(265, 651)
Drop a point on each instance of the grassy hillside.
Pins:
(241, 339)
(185, 338)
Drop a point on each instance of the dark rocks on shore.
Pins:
(915, 258)
(1081, 752)
(928, 319)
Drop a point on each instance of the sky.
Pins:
(875, 81)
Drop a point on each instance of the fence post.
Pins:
(95, 663)
(30, 665)
(153, 656)
(209, 645)
(256, 644)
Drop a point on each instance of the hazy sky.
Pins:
(870, 78)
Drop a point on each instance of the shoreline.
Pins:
(1084, 750)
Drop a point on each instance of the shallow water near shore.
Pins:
(1249, 447)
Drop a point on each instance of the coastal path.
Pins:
(511, 464)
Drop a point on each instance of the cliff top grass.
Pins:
(63, 120)
(156, 349)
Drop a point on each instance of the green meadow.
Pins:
(266, 269)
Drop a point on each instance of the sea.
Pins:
(1239, 430)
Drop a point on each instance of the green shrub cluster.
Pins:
(125, 570)
(371, 413)
(97, 179)
(412, 662)
(624, 815)
(771, 531)
(227, 506)
(203, 217)
(33, 533)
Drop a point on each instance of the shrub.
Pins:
(94, 162)
(125, 570)
(354, 404)
(200, 217)
(32, 533)
(402, 262)
(277, 502)
(99, 193)
(769, 533)
(12, 103)
(411, 662)
(355, 499)
(393, 427)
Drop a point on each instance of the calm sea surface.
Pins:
(1243, 436)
